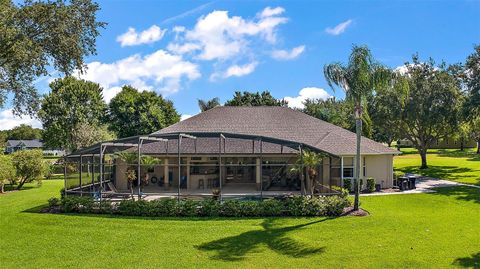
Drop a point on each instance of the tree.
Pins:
(255, 99)
(24, 132)
(337, 112)
(38, 35)
(29, 165)
(85, 135)
(71, 104)
(431, 106)
(472, 83)
(359, 78)
(205, 105)
(385, 109)
(7, 171)
(130, 159)
(136, 113)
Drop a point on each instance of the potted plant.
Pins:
(129, 159)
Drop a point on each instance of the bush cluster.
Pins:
(288, 206)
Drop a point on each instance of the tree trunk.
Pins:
(358, 125)
(2, 190)
(462, 144)
(423, 155)
(478, 147)
(20, 184)
(389, 143)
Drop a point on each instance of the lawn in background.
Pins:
(449, 164)
(403, 231)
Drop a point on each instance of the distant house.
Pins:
(15, 145)
(446, 143)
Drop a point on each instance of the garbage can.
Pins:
(412, 182)
(378, 187)
(403, 183)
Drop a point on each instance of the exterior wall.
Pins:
(380, 167)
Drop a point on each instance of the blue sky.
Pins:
(187, 50)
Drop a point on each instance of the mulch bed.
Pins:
(348, 211)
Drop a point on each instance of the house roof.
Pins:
(278, 123)
(35, 143)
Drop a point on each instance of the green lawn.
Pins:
(417, 231)
(456, 165)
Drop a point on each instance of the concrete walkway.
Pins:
(424, 185)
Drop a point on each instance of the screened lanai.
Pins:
(194, 165)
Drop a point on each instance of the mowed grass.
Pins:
(455, 165)
(403, 231)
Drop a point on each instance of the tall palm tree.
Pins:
(205, 105)
(359, 78)
(310, 161)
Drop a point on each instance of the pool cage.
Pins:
(194, 165)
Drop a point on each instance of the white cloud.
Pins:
(219, 36)
(236, 71)
(185, 116)
(304, 94)
(340, 28)
(288, 55)
(160, 70)
(8, 120)
(132, 38)
(268, 12)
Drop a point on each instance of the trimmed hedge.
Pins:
(289, 206)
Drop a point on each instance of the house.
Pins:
(15, 145)
(446, 143)
(238, 150)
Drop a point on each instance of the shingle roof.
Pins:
(278, 123)
(28, 143)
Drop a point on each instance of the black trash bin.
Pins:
(412, 182)
(403, 183)
(378, 187)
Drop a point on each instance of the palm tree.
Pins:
(359, 79)
(205, 105)
(130, 159)
(310, 161)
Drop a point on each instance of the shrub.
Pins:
(334, 205)
(347, 184)
(230, 208)
(209, 208)
(295, 205)
(70, 204)
(54, 201)
(188, 208)
(370, 184)
(164, 207)
(342, 191)
(271, 207)
(104, 207)
(248, 209)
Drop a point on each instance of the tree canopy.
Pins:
(136, 113)
(24, 132)
(71, 104)
(38, 35)
(29, 166)
(205, 105)
(431, 106)
(264, 98)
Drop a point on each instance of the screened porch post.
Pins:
(220, 164)
(80, 176)
(179, 164)
(302, 172)
(101, 172)
(261, 169)
(341, 171)
(93, 171)
(140, 141)
(65, 176)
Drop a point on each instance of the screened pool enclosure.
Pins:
(196, 165)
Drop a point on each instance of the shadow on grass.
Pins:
(441, 172)
(463, 193)
(471, 155)
(472, 261)
(235, 248)
(14, 187)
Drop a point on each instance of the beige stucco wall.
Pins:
(380, 167)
